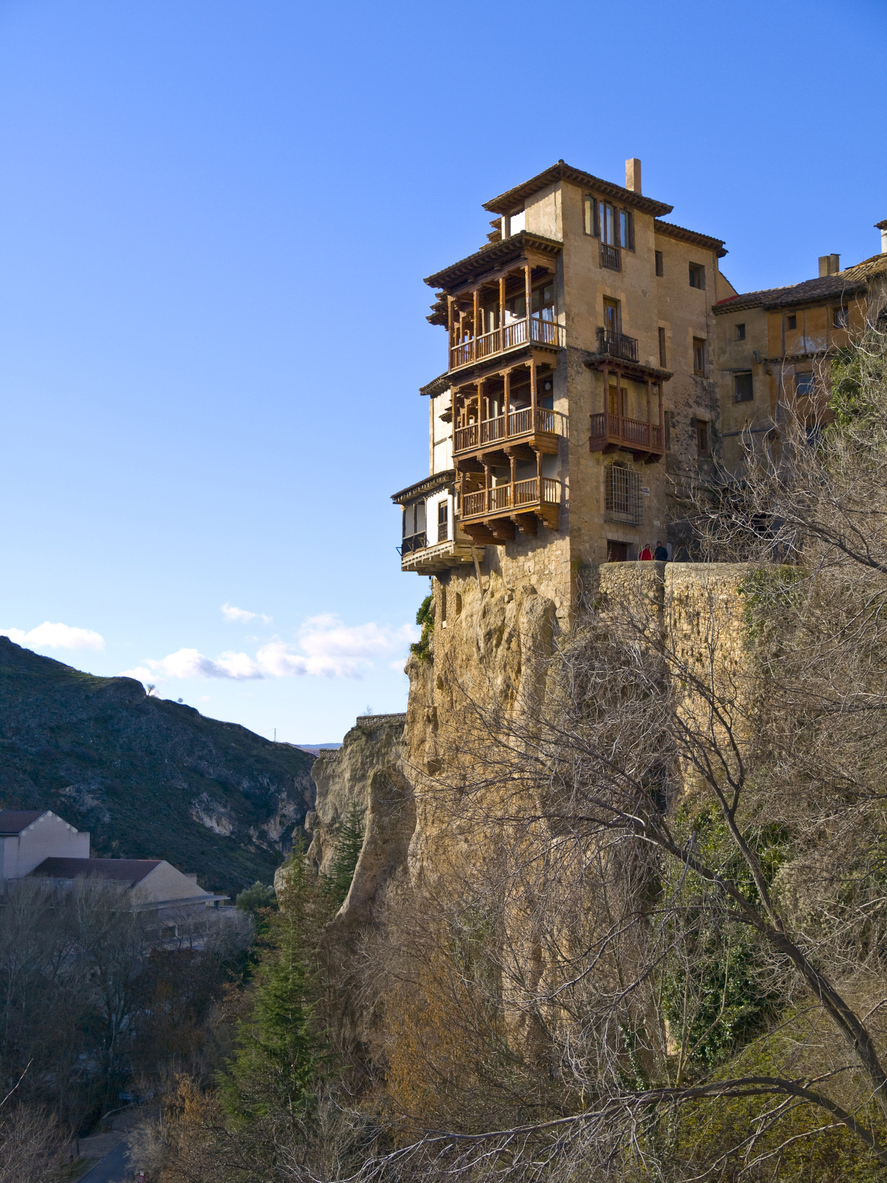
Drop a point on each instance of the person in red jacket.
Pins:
(646, 553)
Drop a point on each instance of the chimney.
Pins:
(882, 226)
(829, 265)
(633, 174)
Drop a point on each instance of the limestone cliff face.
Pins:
(370, 753)
(494, 649)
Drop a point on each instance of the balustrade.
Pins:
(531, 330)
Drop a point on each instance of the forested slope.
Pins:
(147, 776)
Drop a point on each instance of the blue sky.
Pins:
(215, 217)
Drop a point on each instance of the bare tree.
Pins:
(687, 905)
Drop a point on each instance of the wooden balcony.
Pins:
(538, 428)
(532, 330)
(642, 438)
(440, 556)
(491, 514)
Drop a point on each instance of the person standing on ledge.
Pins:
(660, 554)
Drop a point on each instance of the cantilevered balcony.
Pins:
(617, 345)
(537, 427)
(531, 330)
(635, 435)
(491, 513)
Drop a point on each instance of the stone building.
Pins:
(579, 374)
(595, 356)
(772, 346)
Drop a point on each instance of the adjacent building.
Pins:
(38, 844)
(772, 345)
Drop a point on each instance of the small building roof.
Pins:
(513, 200)
(120, 870)
(13, 821)
(430, 484)
(811, 291)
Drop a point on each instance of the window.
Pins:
(699, 356)
(803, 385)
(622, 494)
(743, 389)
(611, 315)
(617, 552)
(697, 275)
(660, 266)
(626, 229)
(442, 602)
(740, 332)
(841, 317)
(663, 361)
(607, 223)
(703, 442)
(591, 216)
(543, 301)
(443, 521)
(458, 603)
(791, 322)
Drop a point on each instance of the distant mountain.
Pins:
(150, 778)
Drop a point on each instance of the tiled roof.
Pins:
(692, 236)
(512, 201)
(13, 821)
(826, 287)
(488, 256)
(122, 870)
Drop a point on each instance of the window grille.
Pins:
(622, 501)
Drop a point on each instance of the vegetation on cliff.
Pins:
(150, 778)
(653, 944)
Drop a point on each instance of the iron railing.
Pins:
(622, 501)
(617, 344)
(414, 542)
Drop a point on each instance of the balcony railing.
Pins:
(517, 498)
(532, 330)
(610, 257)
(413, 542)
(635, 434)
(617, 345)
(521, 422)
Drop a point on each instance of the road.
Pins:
(113, 1168)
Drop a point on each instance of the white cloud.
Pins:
(55, 636)
(326, 648)
(241, 616)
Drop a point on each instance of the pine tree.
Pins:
(281, 1049)
(346, 852)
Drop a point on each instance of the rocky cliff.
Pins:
(148, 777)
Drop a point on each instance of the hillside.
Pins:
(147, 776)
